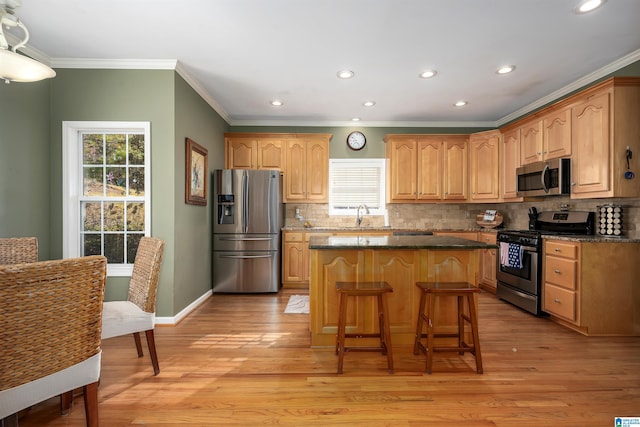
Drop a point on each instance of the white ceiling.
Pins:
(240, 54)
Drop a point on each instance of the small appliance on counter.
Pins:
(489, 219)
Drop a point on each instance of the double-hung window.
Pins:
(356, 182)
(106, 191)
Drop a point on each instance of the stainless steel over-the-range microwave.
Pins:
(547, 178)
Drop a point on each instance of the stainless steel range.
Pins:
(520, 255)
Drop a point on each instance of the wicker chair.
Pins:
(138, 313)
(16, 250)
(50, 326)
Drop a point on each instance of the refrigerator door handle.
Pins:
(246, 239)
(245, 201)
(246, 256)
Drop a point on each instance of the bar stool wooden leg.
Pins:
(420, 326)
(341, 331)
(474, 331)
(460, 323)
(385, 332)
(431, 333)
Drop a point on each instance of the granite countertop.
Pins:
(395, 242)
(594, 238)
(364, 230)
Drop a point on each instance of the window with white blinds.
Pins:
(355, 182)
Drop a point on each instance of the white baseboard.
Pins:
(185, 312)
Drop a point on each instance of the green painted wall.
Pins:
(196, 120)
(121, 95)
(31, 117)
(24, 162)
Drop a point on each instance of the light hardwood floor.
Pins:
(239, 361)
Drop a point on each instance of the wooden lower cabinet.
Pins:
(295, 254)
(488, 263)
(561, 295)
(592, 287)
(401, 268)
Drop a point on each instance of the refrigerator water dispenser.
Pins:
(226, 209)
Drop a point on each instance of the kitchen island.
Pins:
(401, 261)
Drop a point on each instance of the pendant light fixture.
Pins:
(15, 67)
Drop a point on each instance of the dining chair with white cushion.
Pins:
(50, 328)
(138, 313)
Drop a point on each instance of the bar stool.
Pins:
(460, 290)
(360, 289)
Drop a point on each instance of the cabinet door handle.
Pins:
(557, 271)
(557, 301)
(557, 249)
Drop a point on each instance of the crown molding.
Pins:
(115, 64)
(578, 84)
(362, 123)
(196, 86)
(143, 64)
(173, 64)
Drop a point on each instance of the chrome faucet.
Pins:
(358, 216)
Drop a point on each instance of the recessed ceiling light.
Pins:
(586, 6)
(345, 74)
(355, 119)
(505, 69)
(276, 103)
(369, 103)
(460, 103)
(427, 74)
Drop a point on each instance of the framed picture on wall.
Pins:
(196, 174)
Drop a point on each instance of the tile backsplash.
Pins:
(435, 216)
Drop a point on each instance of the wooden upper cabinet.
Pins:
(427, 167)
(484, 166)
(556, 134)
(547, 137)
(306, 173)
(590, 166)
(430, 171)
(455, 168)
(241, 153)
(271, 153)
(259, 151)
(531, 142)
(318, 170)
(403, 165)
(510, 162)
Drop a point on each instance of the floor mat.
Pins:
(298, 304)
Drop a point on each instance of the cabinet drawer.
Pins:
(561, 302)
(489, 238)
(560, 271)
(293, 237)
(561, 249)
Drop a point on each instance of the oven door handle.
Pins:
(527, 248)
(521, 294)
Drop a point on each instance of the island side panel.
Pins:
(401, 268)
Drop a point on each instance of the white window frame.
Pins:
(72, 182)
(357, 163)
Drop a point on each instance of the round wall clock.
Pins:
(356, 140)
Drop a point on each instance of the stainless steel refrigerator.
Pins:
(249, 215)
